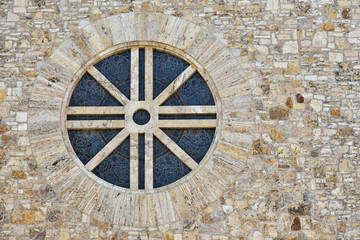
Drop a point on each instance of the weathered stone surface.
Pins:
(293, 68)
(301, 209)
(291, 176)
(302, 56)
(18, 174)
(299, 98)
(41, 235)
(342, 43)
(54, 215)
(327, 27)
(260, 148)
(277, 134)
(169, 236)
(2, 95)
(320, 39)
(346, 165)
(335, 112)
(291, 47)
(46, 192)
(296, 225)
(346, 13)
(319, 171)
(310, 119)
(289, 103)
(279, 113)
(345, 132)
(4, 109)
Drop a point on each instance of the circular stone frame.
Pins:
(221, 166)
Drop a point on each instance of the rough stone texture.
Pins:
(293, 193)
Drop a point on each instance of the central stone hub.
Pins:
(141, 117)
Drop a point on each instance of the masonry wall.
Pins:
(302, 173)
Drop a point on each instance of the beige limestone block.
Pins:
(4, 109)
(12, 17)
(202, 41)
(272, 5)
(342, 43)
(346, 166)
(290, 47)
(129, 26)
(320, 39)
(94, 38)
(237, 153)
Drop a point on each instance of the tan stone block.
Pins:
(238, 204)
(39, 217)
(327, 27)
(279, 113)
(277, 134)
(28, 217)
(335, 112)
(4, 109)
(169, 236)
(260, 148)
(232, 151)
(2, 95)
(18, 174)
(344, 3)
(293, 68)
(64, 233)
(311, 60)
(219, 8)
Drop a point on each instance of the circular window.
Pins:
(141, 118)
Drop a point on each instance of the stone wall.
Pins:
(301, 176)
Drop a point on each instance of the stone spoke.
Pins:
(149, 160)
(134, 161)
(107, 150)
(134, 84)
(148, 74)
(94, 124)
(175, 149)
(187, 123)
(171, 110)
(107, 85)
(95, 110)
(175, 85)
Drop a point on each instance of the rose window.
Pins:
(142, 118)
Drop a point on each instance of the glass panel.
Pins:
(89, 93)
(167, 167)
(116, 68)
(193, 92)
(166, 69)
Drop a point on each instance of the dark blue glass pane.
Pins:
(166, 69)
(167, 168)
(95, 117)
(86, 143)
(141, 74)
(89, 93)
(141, 117)
(116, 68)
(195, 142)
(193, 92)
(160, 149)
(114, 169)
(141, 161)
